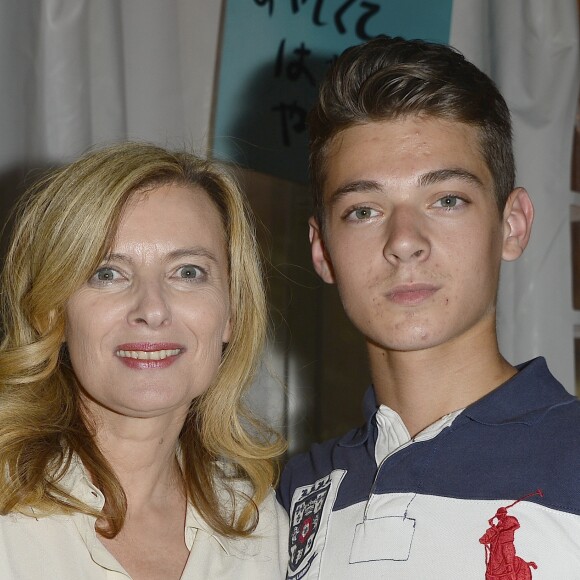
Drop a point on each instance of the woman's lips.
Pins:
(148, 355)
(411, 294)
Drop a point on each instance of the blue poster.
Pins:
(274, 54)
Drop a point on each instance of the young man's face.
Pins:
(413, 237)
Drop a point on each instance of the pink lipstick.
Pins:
(149, 355)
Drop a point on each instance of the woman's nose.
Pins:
(150, 305)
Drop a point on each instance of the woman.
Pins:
(134, 318)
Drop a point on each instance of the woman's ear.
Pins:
(320, 259)
(518, 216)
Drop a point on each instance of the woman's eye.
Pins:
(362, 213)
(104, 275)
(190, 272)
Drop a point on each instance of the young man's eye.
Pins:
(362, 213)
(190, 272)
(450, 202)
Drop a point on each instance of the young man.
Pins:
(467, 467)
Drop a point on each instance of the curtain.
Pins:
(530, 49)
(77, 73)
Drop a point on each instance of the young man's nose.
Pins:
(149, 305)
(406, 237)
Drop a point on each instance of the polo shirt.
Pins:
(488, 492)
(66, 547)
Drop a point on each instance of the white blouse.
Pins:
(66, 547)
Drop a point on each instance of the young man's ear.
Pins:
(320, 258)
(518, 216)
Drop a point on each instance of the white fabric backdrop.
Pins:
(79, 72)
(530, 48)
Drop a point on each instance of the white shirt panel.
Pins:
(431, 526)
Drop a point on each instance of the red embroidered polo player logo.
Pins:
(500, 551)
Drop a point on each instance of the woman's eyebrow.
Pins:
(193, 252)
(114, 257)
(196, 251)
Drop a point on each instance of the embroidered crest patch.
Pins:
(305, 523)
(501, 560)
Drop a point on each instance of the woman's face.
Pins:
(145, 332)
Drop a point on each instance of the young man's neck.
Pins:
(424, 385)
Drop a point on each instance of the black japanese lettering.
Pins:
(361, 23)
(296, 68)
(288, 112)
(340, 27)
(268, 3)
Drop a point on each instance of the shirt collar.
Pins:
(525, 398)
(76, 482)
(359, 436)
(240, 547)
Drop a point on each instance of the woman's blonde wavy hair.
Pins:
(65, 226)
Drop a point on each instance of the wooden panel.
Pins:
(575, 237)
(315, 351)
(576, 153)
(577, 363)
(576, 150)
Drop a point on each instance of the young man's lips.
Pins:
(148, 355)
(411, 294)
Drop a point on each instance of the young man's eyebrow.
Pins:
(353, 186)
(439, 175)
(429, 178)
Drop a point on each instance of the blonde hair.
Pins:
(65, 227)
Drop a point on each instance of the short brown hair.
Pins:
(388, 78)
